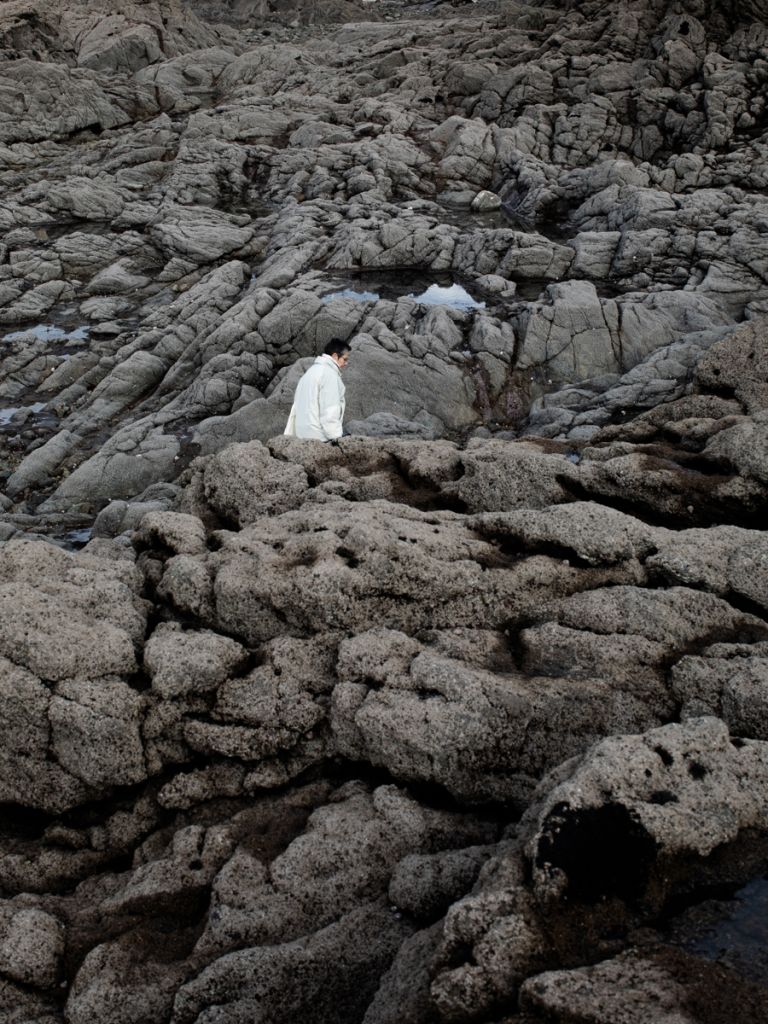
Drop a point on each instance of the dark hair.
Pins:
(336, 347)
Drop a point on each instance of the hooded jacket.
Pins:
(318, 405)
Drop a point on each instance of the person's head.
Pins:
(338, 350)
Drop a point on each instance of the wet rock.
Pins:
(258, 980)
(382, 424)
(485, 201)
(644, 796)
(668, 984)
(499, 622)
(739, 366)
(123, 468)
(498, 476)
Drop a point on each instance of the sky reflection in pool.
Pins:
(6, 414)
(350, 293)
(47, 332)
(75, 538)
(455, 296)
(435, 295)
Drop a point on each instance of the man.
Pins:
(318, 405)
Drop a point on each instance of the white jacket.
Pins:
(318, 405)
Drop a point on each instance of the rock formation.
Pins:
(464, 719)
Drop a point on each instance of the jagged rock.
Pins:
(257, 982)
(71, 615)
(31, 946)
(96, 731)
(659, 984)
(425, 885)
(180, 533)
(125, 966)
(381, 564)
(652, 790)
(542, 230)
(244, 482)
(181, 663)
(355, 841)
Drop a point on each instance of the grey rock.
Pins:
(244, 482)
(181, 663)
(96, 731)
(383, 424)
(31, 945)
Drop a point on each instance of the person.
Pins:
(318, 405)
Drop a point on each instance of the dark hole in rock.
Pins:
(665, 756)
(277, 670)
(685, 29)
(737, 742)
(195, 865)
(603, 851)
(696, 770)
(304, 559)
(349, 557)
(663, 796)
(19, 822)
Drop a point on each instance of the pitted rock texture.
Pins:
(464, 718)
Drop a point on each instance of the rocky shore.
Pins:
(461, 721)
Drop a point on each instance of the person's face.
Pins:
(342, 360)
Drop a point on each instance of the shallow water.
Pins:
(735, 932)
(429, 290)
(455, 296)
(74, 539)
(7, 414)
(49, 332)
(355, 296)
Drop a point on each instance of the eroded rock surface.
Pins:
(462, 719)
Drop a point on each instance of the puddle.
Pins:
(7, 414)
(350, 293)
(74, 539)
(734, 932)
(455, 296)
(48, 332)
(428, 290)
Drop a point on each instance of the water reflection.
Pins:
(350, 293)
(6, 415)
(455, 296)
(738, 935)
(74, 539)
(47, 332)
